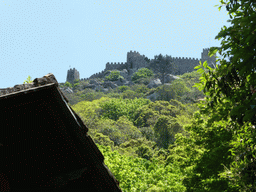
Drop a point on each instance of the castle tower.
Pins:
(210, 60)
(135, 61)
(72, 75)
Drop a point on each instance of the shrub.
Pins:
(142, 73)
(114, 76)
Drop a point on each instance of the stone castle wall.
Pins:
(184, 65)
(210, 60)
(72, 75)
(136, 61)
(117, 66)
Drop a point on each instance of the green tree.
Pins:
(103, 140)
(225, 126)
(138, 174)
(114, 76)
(76, 83)
(175, 90)
(68, 84)
(123, 88)
(140, 88)
(142, 73)
(162, 66)
(130, 94)
(89, 111)
(115, 108)
(165, 130)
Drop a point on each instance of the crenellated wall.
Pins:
(98, 75)
(210, 60)
(184, 65)
(72, 75)
(136, 61)
(118, 66)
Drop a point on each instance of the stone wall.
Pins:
(184, 65)
(72, 75)
(117, 66)
(210, 60)
(136, 61)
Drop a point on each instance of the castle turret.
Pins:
(135, 61)
(210, 60)
(72, 75)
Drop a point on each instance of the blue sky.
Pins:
(38, 37)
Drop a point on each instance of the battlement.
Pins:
(134, 52)
(122, 63)
(188, 59)
(118, 66)
(98, 75)
(135, 61)
(72, 75)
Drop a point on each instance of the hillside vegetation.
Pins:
(199, 132)
(136, 135)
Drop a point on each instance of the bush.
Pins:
(67, 84)
(140, 88)
(114, 76)
(129, 94)
(123, 88)
(142, 73)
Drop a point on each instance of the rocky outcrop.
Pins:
(45, 145)
(154, 83)
(169, 78)
(67, 90)
(110, 84)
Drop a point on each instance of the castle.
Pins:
(136, 61)
(72, 75)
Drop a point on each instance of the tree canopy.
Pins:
(162, 66)
(225, 126)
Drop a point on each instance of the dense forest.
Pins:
(198, 135)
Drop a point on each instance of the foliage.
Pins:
(148, 114)
(28, 80)
(109, 128)
(114, 76)
(142, 73)
(224, 127)
(191, 78)
(147, 59)
(115, 108)
(130, 94)
(165, 129)
(114, 95)
(68, 84)
(123, 88)
(140, 147)
(140, 88)
(89, 111)
(144, 80)
(145, 116)
(147, 132)
(175, 90)
(76, 83)
(104, 140)
(162, 66)
(84, 95)
(138, 174)
(118, 131)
